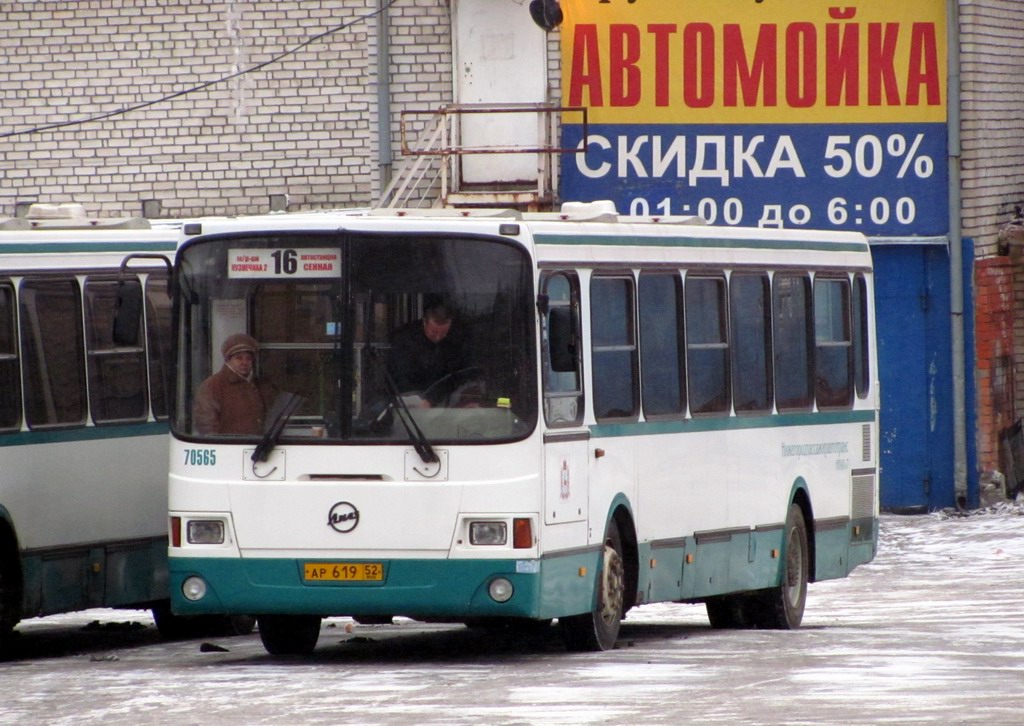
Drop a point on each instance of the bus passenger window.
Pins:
(158, 344)
(662, 353)
(563, 384)
(613, 348)
(750, 312)
(707, 345)
(860, 336)
(833, 356)
(117, 375)
(794, 343)
(10, 385)
(53, 352)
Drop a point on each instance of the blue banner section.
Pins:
(880, 179)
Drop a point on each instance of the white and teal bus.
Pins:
(83, 419)
(638, 410)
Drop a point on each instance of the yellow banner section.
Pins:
(755, 61)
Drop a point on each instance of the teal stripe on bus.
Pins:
(730, 423)
(645, 241)
(36, 248)
(83, 433)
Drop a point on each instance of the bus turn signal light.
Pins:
(522, 534)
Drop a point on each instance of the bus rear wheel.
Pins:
(782, 607)
(289, 634)
(598, 630)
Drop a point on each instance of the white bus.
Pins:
(628, 410)
(83, 420)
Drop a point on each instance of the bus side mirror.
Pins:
(127, 314)
(561, 340)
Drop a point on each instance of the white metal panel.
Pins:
(93, 491)
(500, 57)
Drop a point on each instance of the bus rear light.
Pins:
(175, 531)
(488, 533)
(206, 531)
(522, 534)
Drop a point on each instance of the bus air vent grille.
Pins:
(865, 441)
(863, 504)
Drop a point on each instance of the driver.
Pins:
(424, 351)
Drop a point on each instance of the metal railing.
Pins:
(433, 174)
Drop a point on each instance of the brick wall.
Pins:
(304, 126)
(992, 110)
(995, 300)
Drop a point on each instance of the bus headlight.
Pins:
(500, 589)
(488, 533)
(206, 531)
(194, 588)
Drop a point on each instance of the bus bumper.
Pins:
(420, 589)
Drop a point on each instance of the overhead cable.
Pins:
(202, 86)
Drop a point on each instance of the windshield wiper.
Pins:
(281, 410)
(416, 435)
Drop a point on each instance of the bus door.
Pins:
(566, 440)
(565, 476)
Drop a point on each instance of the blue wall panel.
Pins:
(914, 351)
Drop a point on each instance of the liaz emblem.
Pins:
(343, 517)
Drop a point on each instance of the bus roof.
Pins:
(62, 237)
(582, 234)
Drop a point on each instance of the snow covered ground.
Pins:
(931, 632)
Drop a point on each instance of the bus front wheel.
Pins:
(289, 634)
(598, 630)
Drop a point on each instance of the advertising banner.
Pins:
(760, 112)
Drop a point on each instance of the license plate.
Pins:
(342, 571)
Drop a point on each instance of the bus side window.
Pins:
(662, 351)
(563, 372)
(117, 374)
(10, 385)
(750, 312)
(158, 344)
(614, 347)
(707, 344)
(833, 354)
(861, 351)
(794, 341)
(54, 352)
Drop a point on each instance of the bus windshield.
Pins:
(351, 334)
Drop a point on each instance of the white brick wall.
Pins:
(305, 126)
(992, 69)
